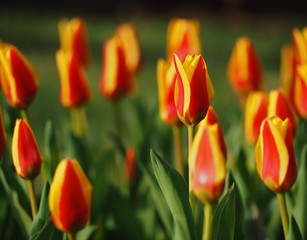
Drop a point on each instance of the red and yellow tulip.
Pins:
(280, 106)
(74, 91)
(73, 37)
(208, 160)
(193, 90)
(183, 38)
(128, 35)
(2, 136)
(274, 154)
(300, 90)
(166, 76)
(244, 69)
(300, 45)
(255, 112)
(116, 79)
(20, 81)
(25, 153)
(70, 197)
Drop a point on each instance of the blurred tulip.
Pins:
(75, 90)
(130, 164)
(208, 160)
(244, 69)
(116, 80)
(128, 35)
(274, 154)
(255, 112)
(20, 81)
(300, 45)
(193, 90)
(300, 90)
(166, 76)
(70, 197)
(280, 106)
(73, 37)
(25, 153)
(2, 136)
(183, 38)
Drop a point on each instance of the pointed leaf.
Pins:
(176, 195)
(85, 233)
(294, 231)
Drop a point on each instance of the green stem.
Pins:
(283, 212)
(32, 198)
(191, 195)
(208, 211)
(178, 150)
(25, 116)
(116, 117)
(71, 236)
(79, 121)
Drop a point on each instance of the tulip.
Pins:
(300, 45)
(183, 38)
(255, 112)
(280, 106)
(193, 90)
(300, 90)
(73, 37)
(130, 164)
(70, 197)
(25, 153)
(128, 34)
(2, 136)
(20, 78)
(166, 76)
(116, 80)
(244, 70)
(75, 90)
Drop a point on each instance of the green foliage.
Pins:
(294, 231)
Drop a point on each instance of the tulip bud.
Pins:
(280, 106)
(208, 160)
(244, 70)
(300, 90)
(300, 45)
(26, 157)
(183, 38)
(130, 167)
(274, 154)
(255, 112)
(75, 90)
(193, 90)
(166, 76)
(116, 80)
(73, 37)
(128, 35)
(70, 197)
(20, 78)
(2, 136)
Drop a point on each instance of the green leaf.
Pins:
(85, 233)
(223, 222)
(21, 215)
(176, 195)
(42, 226)
(52, 156)
(294, 231)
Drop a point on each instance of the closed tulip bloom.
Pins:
(166, 76)
(274, 154)
(300, 90)
(208, 162)
(193, 90)
(300, 45)
(26, 156)
(2, 136)
(130, 164)
(73, 37)
(255, 112)
(129, 36)
(183, 38)
(280, 106)
(116, 79)
(20, 81)
(70, 197)
(244, 69)
(74, 91)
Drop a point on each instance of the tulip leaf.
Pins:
(223, 222)
(85, 233)
(176, 195)
(52, 156)
(294, 231)
(42, 226)
(21, 215)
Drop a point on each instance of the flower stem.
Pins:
(25, 116)
(178, 150)
(191, 195)
(32, 198)
(283, 212)
(71, 236)
(116, 118)
(208, 211)
(79, 121)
